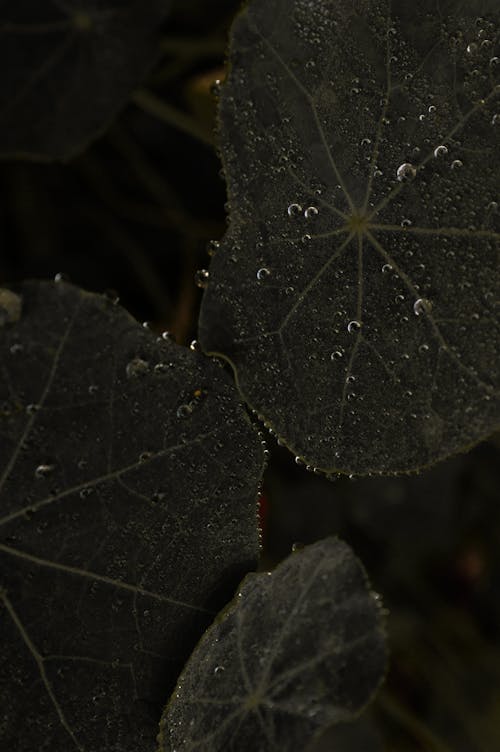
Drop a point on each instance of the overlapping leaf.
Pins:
(128, 479)
(299, 649)
(354, 292)
(67, 66)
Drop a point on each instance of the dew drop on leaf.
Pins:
(457, 164)
(386, 269)
(294, 210)
(263, 273)
(422, 306)
(336, 355)
(311, 212)
(406, 171)
(353, 326)
(212, 247)
(42, 471)
(184, 410)
(201, 278)
(440, 151)
(136, 367)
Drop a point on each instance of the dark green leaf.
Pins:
(67, 67)
(128, 481)
(298, 649)
(354, 291)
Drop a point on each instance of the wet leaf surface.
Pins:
(128, 483)
(354, 292)
(299, 649)
(67, 67)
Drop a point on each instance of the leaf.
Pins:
(128, 482)
(68, 66)
(354, 292)
(299, 649)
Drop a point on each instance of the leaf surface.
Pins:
(67, 67)
(128, 483)
(354, 292)
(299, 649)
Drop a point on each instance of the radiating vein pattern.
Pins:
(128, 484)
(282, 654)
(356, 290)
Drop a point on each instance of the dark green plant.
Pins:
(353, 296)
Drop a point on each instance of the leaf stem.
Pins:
(160, 109)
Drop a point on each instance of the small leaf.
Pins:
(126, 522)
(68, 67)
(354, 292)
(299, 649)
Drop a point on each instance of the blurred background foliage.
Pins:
(133, 215)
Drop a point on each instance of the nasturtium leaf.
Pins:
(68, 66)
(354, 292)
(128, 483)
(299, 649)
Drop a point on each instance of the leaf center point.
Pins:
(358, 222)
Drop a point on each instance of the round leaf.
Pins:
(354, 292)
(67, 67)
(299, 649)
(128, 483)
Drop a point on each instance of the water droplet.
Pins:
(472, 48)
(216, 87)
(93, 389)
(423, 348)
(457, 164)
(432, 109)
(365, 141)
(422, 306)
(310, 212)
(136, 367)
(219, 670)
(337, 354)
(212, 247)
(406, 171)
(440, 151)
(42, 471)
(184, 410)
(386, 269)
(263, 273)
(297, 546)
(406, 223)
(201, 278)
(495, 120)
(32, 408)
(353, 326)
(61, 277)
(157, 497)
(492, 206)
(350, 379)
(294, 210)
(195, 346)
(145, 456)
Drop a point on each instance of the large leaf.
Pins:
(299, 649)
(67, 67)
(128, 482)
(354, 291)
